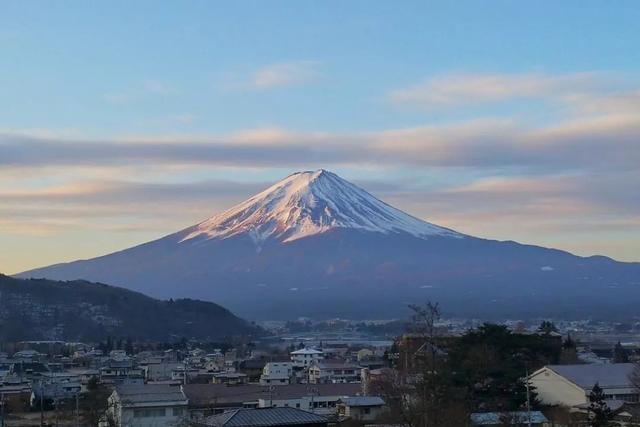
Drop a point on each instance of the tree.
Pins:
(569, 352)
(620, 354)
(94, 403)
(547, 327)
(600, 412)
(436, 399)
(128, 347)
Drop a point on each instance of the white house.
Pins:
(570, 385)
(56, 386)
(150, 405)
(333, 371)
(302, 358)
(276, 373)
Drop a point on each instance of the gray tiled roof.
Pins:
(149, 393)
(264, 417)
(220, 394)
(363, 401)
(609, 375)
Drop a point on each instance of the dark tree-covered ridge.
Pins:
(40, 309)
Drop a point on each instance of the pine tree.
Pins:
(547, 327)
(601, 414)
(620, 354)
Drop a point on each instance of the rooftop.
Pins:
(363, 401)
(264, 417)
(221, 394)
(307, 351)
(609, 375)
(499, 418)
(150, 393)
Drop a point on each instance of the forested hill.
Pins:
(40, 309)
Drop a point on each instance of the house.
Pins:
(159, 370)
(230, 378)
(304, 357)
(277, 373)
(570, 385)
(121, 372)
(16, 394)
(252, 368)
(56, 386)
(518, 418)
(147, 406)
(333, 371)
(265, 417)
(361, 408)
(364, 354)
(209, 399)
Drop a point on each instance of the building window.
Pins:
(178, 412)
(148, 412)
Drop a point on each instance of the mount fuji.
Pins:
(317, 245)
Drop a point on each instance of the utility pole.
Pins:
(312, 392)
(2, 410)
(271, 388)
(41, 404)
(77, 409)
(528, 399)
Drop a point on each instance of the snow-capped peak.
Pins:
(308, 203)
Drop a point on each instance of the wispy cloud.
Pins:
(466, 89)
(284, 74)
(501, 177)
(603, 142)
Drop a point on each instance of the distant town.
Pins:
(421, 371)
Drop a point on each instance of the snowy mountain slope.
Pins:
(308, 203)
(327, 248)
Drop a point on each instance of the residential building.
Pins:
(121, 372)
(56, 386)
(333, 371)
(252, 368)
(304, 357)
(361, 408)
(16, 394)
(277, 373)
(160, 370)
(570, 385)
(147, 406)
(230, 378)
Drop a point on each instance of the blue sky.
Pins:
(510, 120)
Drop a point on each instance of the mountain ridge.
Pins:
(314, 243)
(35, 309)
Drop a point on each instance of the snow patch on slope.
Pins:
(309, 203)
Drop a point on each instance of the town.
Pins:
(434, 373)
